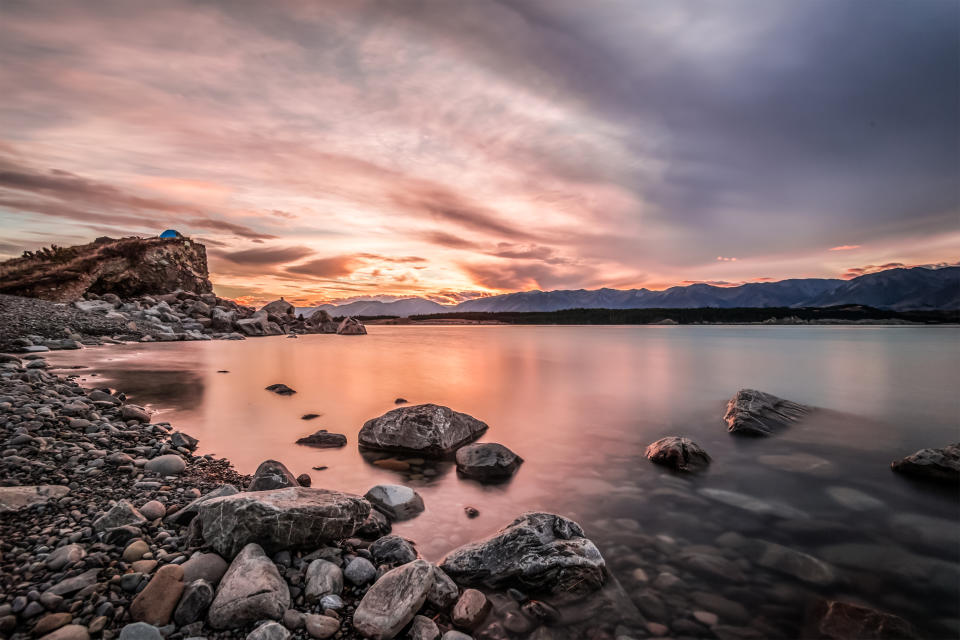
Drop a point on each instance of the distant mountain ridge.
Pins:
(917, 288)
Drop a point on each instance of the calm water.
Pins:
(580, 404)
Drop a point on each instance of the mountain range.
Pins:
(897, 289)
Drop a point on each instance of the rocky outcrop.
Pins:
(289, 518)
(537, 552)
(426, 429)
(390, 604)
(835, 620)
(351, 327)
(755, 413)
(487, 461)
(939, 465)
(323, 439)
(279, 308)
(680, 454)
(126, 268)
(251, 590)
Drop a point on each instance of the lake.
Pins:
(580, 404)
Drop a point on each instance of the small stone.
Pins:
(705, 617)
(269, 631)
(322, 578)
(194, 603)
(470, 610)
(51, 622)
(166, 465)
(140, 631)
(64, 556)
(321, 627)
(153, 510)
(360, 571)
(68, 632)
(135, 550)
(292, 619)
(393, 550)
(206, 566)
(304, 480)
(423, 628)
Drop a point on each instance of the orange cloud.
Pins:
(845, 247)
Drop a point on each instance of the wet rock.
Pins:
(140, 631)
(323, 439)
(854, 499)
(472, 512)
(754, 505)
(393, 550)
(304, 480)
(16, 498)
(321, 627)
(155, 604)
(798, 463)
(360, 571)
(121, 514)
(281, 389)
(204, 566)
(351, 327)
(271, 475)
(251, 590)
(487, 461)
(269, 631)
(197, 597)
(290, 518)
(390, 604)
(471, 608)
(134, 412)
(180, 439)
(322, 578)
(395, 501)
(423, 628)
(791, 562)
(835, 620)
(166, 465)
(755, 413)
(426, 429)
(938, 465)
(444, 591)
(537, 552)
(680, 454)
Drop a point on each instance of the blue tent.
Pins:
(171, 233)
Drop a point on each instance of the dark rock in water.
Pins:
(281, 389)
(472, 512)
(755, 413)
(320, 468)
(487, 461)
(426, 429)
(323, 439)
(941, 465)
(304, 480)
(251, 590)
(680, 454)
(309, 416)
(834, 620)
(393, 550)
(271, 475)
(537, 552)
(290, 518)
(390, 604)
(400, 401)
(179, 439)
(396, 501)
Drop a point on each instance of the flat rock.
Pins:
(395, 501)
(755, 413)
(68, 632)
(16, 498)
(938, 465)
(251, 590)
(290, 518)
(487, 461)
(392, 602)
(678, 453)
(323, 439)
(835, 620)
(426, 429)
(271, 475)
(537, 552)
(185, 514)
(76, 583)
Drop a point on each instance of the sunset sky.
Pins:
(334, 150)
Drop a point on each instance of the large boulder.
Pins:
(941, 465)
(271, 475)
(251, 590)
(289, 518)
(351, 327)
(487, 461)
(755, 413)
(256, 325)
(537, 553)
(280, 308)
(390, 604)
(184, 515)
(318, 319)
(680, 454)
(222, 319)
(395, 501)
(425, 429)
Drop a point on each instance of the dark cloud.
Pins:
(526, 275)
(267, 256)
(447, 206)
(453, 241)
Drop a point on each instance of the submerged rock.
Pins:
(426, 429)
(289, 518)
(835, 620)
(755, 413)
(392, 602)
(323, 439)
(271, 475)
(251, 590)
(537, 552)
(395, 501)
(940, 465)
(680, 454)
(488, 461)
(791, 562)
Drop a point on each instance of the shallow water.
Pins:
(580, 404)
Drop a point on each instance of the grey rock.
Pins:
(331, 601)
(396, 501)
(121, 514)
(134, 412)
(426, 429)
(186, 514)
(351, 327)
(269, 631)
(444, 591)
(393, 550)
(323, 439)
(320, 627)
(537, 552)
(140, 631)
(180, 439)
(791, 562)
(938, 465)
(423, 628)
(194, 602)
(360, 571)
(680, 454)
(755, 413)
(322, 578)
(390, 604)
(76, 583)
(16, 498)
(290, 518)
(375, 526)
(271, 475)
(204, 566)
(166, 465)
(487, 461)
(251, 590)
(281, 389)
